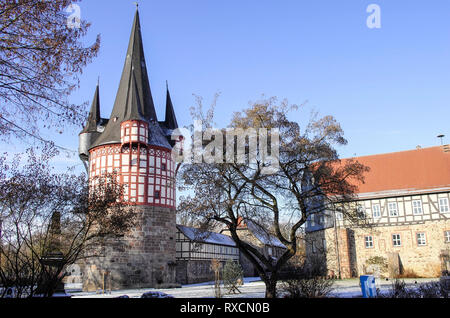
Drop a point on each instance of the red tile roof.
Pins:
(419, 170)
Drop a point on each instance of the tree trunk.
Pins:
(271, 287)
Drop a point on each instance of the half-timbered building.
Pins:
(405, 200)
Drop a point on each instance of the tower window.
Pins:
(163, 167)
(157, 194)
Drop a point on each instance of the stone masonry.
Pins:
(145, 257)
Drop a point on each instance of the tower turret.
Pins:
(136, 146)
(94, 127)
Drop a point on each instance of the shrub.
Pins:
(407, 273)
(399, 289)
(233, 276)
(307, 281)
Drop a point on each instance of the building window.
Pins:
(324, 243)
(421, 239)
(396, 241)
(368, 241)
(157, 194)
(443, 205)
(376, 211)
(417, 207)
(393, 210)
(447, 236)
(360, 212)
(311, 220)
(313, 247)
(321, 220)
(163, 167)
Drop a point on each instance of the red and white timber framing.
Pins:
(147, 172)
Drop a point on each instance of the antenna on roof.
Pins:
(441, 137)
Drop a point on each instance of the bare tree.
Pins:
(52, 220)
(310, 179)
(41, 58)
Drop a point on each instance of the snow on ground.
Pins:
(253, 288)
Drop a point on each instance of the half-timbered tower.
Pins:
(136, 146)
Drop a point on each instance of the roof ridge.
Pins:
(396, 152)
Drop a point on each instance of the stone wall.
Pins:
(410, 258)
(422, 260)
(144, 257)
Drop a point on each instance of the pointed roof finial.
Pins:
(167, 84)
(134, 99)
(170, 120)
(94, 113)
(137, 5)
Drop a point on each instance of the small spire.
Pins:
(94, 113)
(170, 120)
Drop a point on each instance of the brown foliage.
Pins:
(41, 59)
(307, 183)
(44, 213)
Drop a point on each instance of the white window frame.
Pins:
(378, 210)
(396, 240)
(368, 241)
(417, 209)
(443, 207)
(392, 209)
(447, 236)
(421, 239)
(312, 221)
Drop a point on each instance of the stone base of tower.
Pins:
(143, 258)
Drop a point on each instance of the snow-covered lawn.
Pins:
(253, 288)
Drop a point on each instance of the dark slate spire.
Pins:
(171, 120)
(134, 99)
(94, 114)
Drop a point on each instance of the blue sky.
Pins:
(388, 87)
